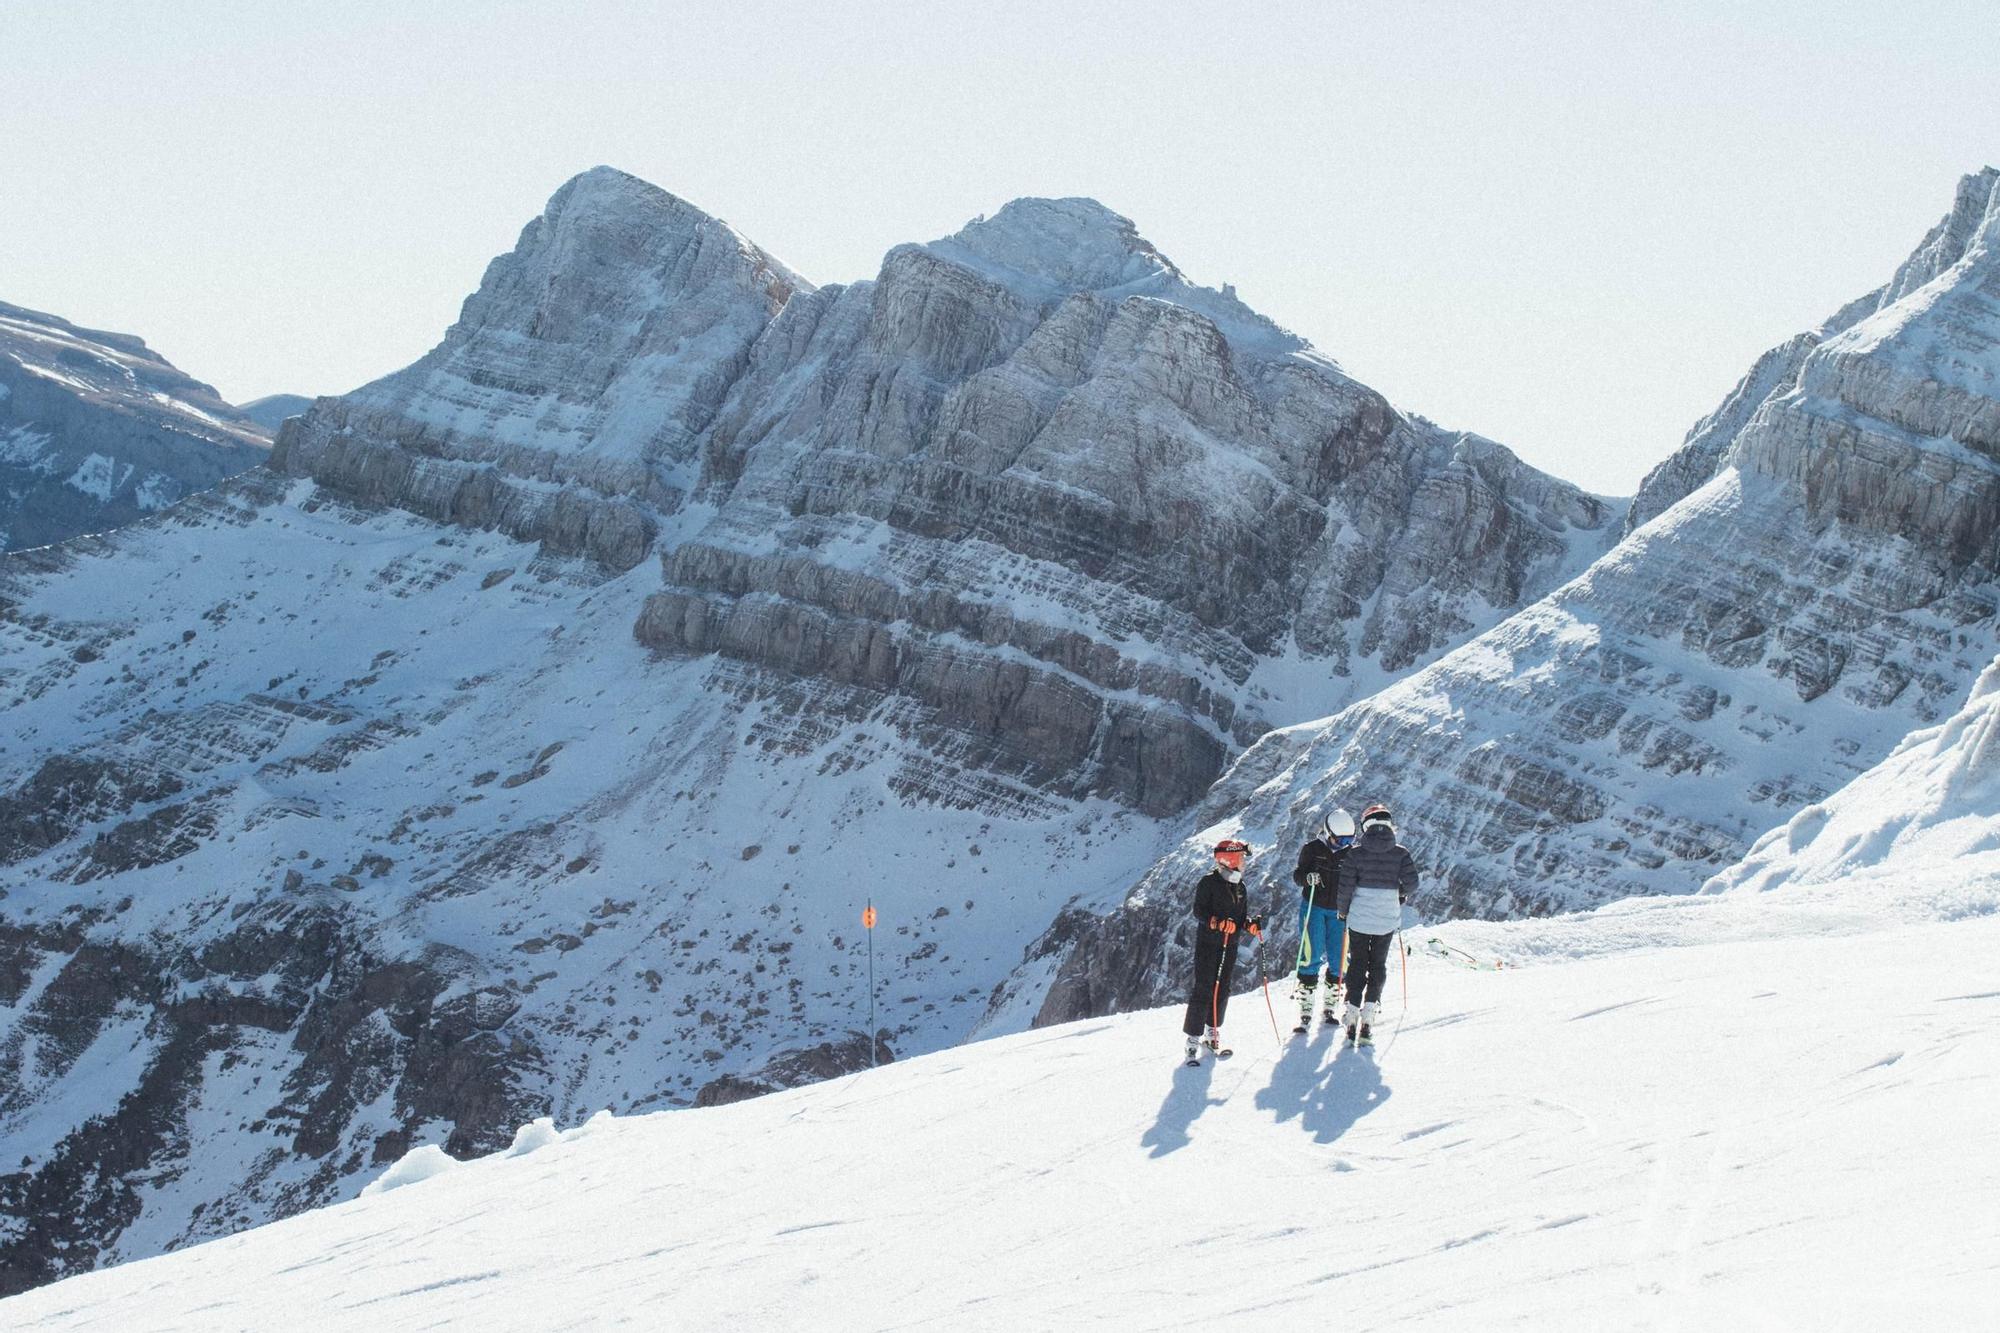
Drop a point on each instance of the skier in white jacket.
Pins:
(1377, 876)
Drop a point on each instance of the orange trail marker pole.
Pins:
(868, 924)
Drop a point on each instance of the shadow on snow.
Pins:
(1187, 1097)
(1326, 1094)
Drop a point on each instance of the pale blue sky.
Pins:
(1568, 226)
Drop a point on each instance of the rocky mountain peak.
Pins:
(565, 404)
(606, 203)
(1067, 244)
(1968, 229)
(1960, 231)
(1044, 249)
(610, 248)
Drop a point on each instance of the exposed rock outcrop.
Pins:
(793, 1069)
(1776, 373)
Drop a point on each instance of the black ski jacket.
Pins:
(1215, 899)
(1316, 858)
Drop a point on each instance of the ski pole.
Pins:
(868, 924)
(1263, 975)
(1215, 991)
(1305, 926)
(1404, 950)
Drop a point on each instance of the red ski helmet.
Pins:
(1376, 814)
(1230, 853)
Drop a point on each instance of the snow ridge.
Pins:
(97, 430)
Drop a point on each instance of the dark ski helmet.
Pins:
(1230, 853)
(1376, 814)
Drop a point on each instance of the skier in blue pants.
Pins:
(1321, 931)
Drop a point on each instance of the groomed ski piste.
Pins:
(1766, 1105)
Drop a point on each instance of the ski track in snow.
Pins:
(1716, 1146)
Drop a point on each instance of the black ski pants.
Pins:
(1367, 963)
(1214, 965)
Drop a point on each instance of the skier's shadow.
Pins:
(1326, 1095)
(1185, 1101)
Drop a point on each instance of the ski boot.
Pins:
(1212, 1039)
(1369, 1013)
(1193, 1052)
(1350, 1019)
(1329, 1015)
(1305, 1008)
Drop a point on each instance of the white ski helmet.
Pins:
(1337, 824)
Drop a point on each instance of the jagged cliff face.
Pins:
(564, 406)
(1063, 512)
(97, 431)
(1747, 651)
(528, 737)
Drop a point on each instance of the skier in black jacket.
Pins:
(1321, 929)
(1222, 914)
(1377, 877)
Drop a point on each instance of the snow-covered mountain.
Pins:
(1699, 1122)
(1820, 578)
(97, 430)
(528, 737)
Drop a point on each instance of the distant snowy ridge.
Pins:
(273, 410)
(97, 430)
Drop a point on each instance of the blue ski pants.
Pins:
(1320, 940)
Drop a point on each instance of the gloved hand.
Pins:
(1256, 927)
(1227, 926)
(1312, 879)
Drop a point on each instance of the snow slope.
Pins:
(1929, 812)
(1717, 1134)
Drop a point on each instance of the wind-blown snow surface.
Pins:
(1929, 812)
(1714, 1135)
